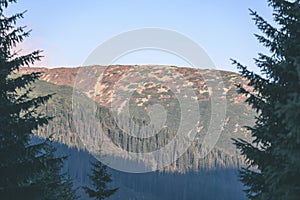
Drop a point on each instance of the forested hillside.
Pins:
(217, 170)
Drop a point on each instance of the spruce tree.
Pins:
(28, 167)
(273, 156)
(99, 178)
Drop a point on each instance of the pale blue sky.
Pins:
(68, 31)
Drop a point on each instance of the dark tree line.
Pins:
(100, 178)
(29, 168)
(274, 154)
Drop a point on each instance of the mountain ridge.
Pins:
(219, 165)
(234, 122)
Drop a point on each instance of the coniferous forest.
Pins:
(51, 147)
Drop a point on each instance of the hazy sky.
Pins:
(68, 31)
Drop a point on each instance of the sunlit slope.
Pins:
(80, 133)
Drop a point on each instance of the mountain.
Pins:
(129, 103)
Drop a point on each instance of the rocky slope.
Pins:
(143, 90)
